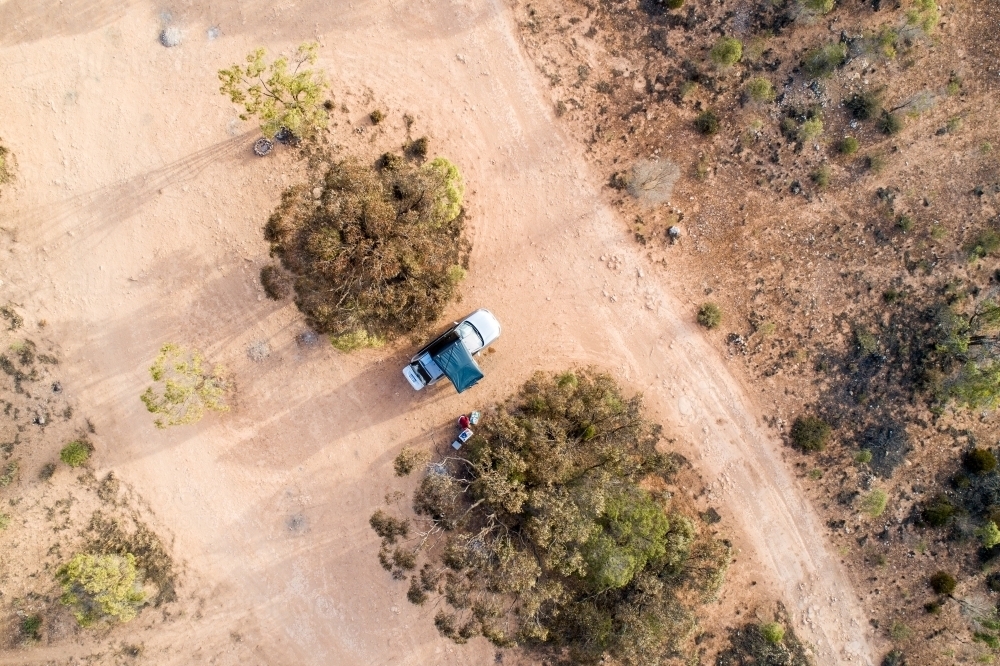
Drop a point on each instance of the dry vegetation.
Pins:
(78, 551)
(554, 529)
(840, 205)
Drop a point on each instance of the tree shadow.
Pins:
(94, 214)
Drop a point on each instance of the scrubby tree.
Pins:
(101, 587)
(280, 94)
(810, 433)
(727, 52)
(185, 387)
(552, 530)
(965, 363)
(379, 252)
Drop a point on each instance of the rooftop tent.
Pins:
(458, 365)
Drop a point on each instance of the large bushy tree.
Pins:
(554, 529)
(101, 587)
(376, 251)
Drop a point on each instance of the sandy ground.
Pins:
(136, 220)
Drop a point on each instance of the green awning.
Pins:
(458, 365)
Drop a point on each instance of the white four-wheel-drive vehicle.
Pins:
(451, 353)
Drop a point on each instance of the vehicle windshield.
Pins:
(470, 337)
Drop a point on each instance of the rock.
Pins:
(171, 36)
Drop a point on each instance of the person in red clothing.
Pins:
(463, 421)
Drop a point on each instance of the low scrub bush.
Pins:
(984, 244)
(707, 122)
(101, 587)
(824, 61)
(185, 388)
(938, 511)
(942, 582)
(874, 503)
(863, 106)
(418, 148)
(810, 433)
(817, 6)
(848, 145)
(890, 123)
(810, 129)
(709, 315)
(989, 534)
(774, 632)
(821, 176)
(376, 116)
(727, 52)
(5, 170)
(979, 461)
(31, 628)
(760, 89)
(76, 453)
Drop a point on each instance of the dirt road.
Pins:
(136, 220)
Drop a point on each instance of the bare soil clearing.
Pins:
(136, 220)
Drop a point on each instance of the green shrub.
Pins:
(984, 244)
(848, 145)
(863, 457)
(890, 123)
(9, 473)
(376, 116)
(943, 582)
(101, 587)
(810, 433)
(674, 4)
(727, 51)
(31, 627)
(4, 521)
(863, 106)
(276, 282)
(821, 176)
(980, 461)
(887, 40)
(707, 122)
(898, 631)
(184, 387)
(760, 89)
(875, 162)
(76, 453)
(924, 15)
(811, 129)
(989, 534)
(822, 62)
(818, 6)
(938, 511)
(874, 503)
(709, 315)
(774, 632)
(905, 224)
